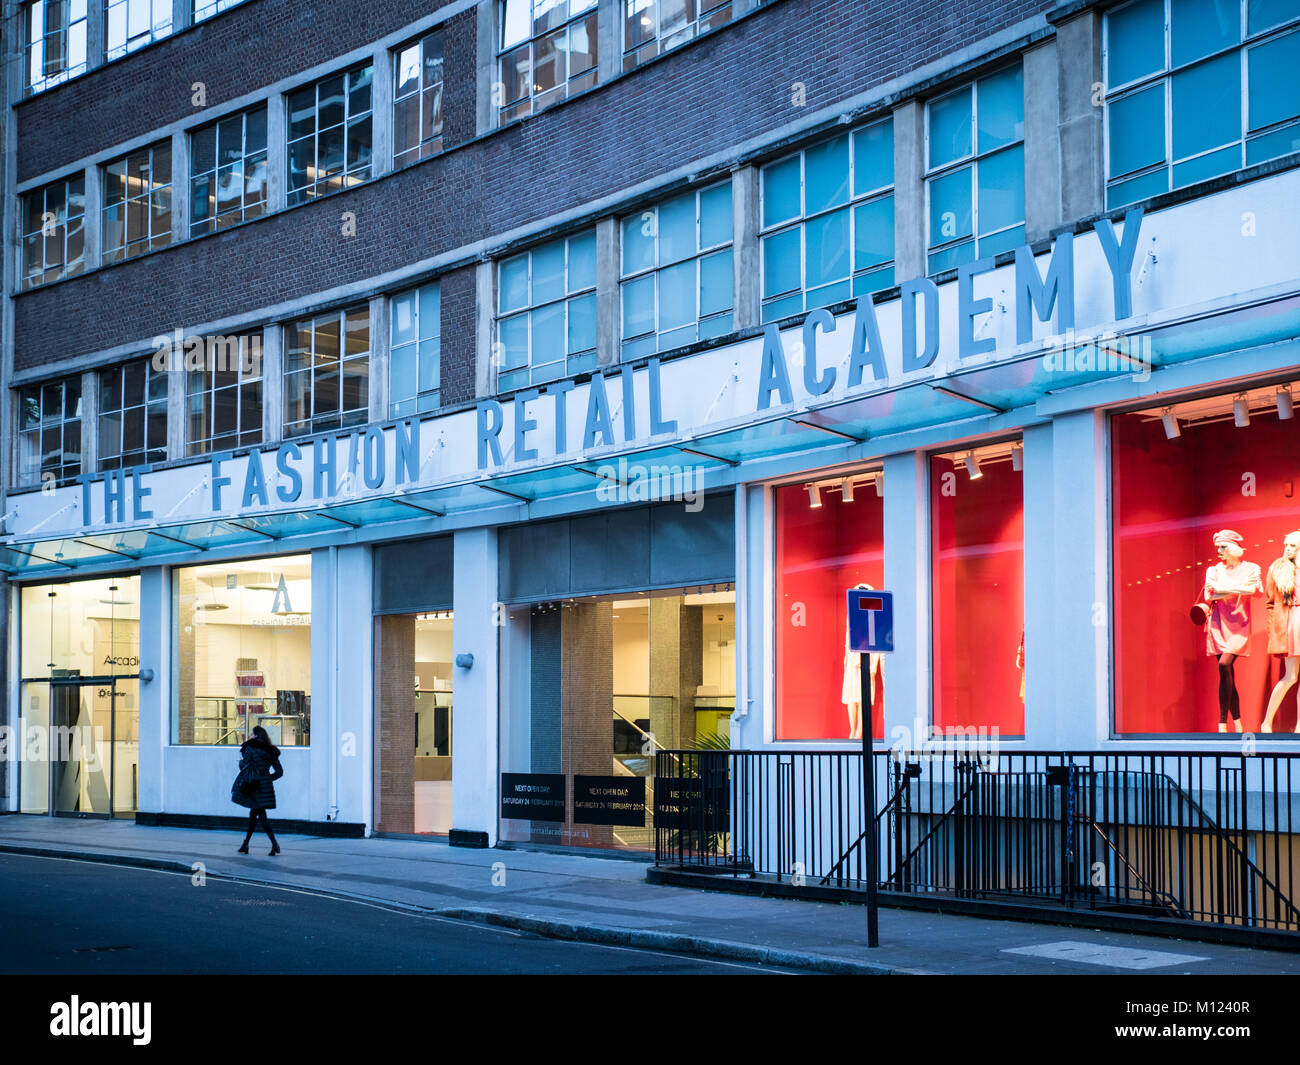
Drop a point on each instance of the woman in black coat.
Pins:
(259, 764)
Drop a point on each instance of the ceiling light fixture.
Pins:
(846, 492)
(973, 466)
(1240, 410)
(1285, 411)
(1172, 429)
(880, 484)
(1018, 458)
(814, 496)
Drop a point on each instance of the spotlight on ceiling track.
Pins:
(973, 466)
(1017, 458)
(1240, 411)
(814, 496)
(880, 484)
(846, 492)
(1285, 411)
(1172, 429)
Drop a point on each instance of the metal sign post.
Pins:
(871, 631)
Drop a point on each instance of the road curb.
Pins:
(551, 928)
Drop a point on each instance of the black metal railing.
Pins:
(1198, 836)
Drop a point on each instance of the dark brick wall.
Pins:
(459, 333)
(237, 52)
(707, 96)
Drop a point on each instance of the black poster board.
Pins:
(533, 796)
(609, 801)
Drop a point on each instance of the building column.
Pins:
(182, 14)
(745, 226)
(381, 113)
(908, 675)
(609, 43)
(380, 349)
(1040, 569)
(475, 771)
(90, 421)
(93, 222)
(485, 362)
(96, 26)
(176, 412)
(755, 612)
(1042, 143)
(272, 383)
(180, 186)
(155, 701)
(277, 153)
(909, 192)
(490, 90)
(608, 319)
(350, 740)
(1081, 146)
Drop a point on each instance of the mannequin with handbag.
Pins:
(1224, 610)
(1283, 624)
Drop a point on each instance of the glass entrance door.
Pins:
(81, 749)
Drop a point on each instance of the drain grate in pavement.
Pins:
(1101, 954)
(97, 950)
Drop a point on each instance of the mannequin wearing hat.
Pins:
(851, 689)
(1283, 624)
(1230, 584)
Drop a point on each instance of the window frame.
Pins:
(150, 407)
(67, 70)
(653, 271)
(418, 399)
(699, 24)
(973, 160)
(127, 249)
(247, 210)
(1245, 44)
(565, 299)
(854, 201)
(248, 375)
(424, 149)
(209, 9)
(348, 178)
(342, 417)
(156, 32)
(25, 477)
(510, 111)
(66, 268)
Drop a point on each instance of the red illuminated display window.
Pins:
(977, 545)
(1181, 475)
(825, 545)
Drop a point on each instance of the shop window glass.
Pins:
(1181, 475)
(828, 539)
(1177, 72)
(241, 652)
(677, 272)
(828, 222)
(978, 593)
(81, 628)
(975, 170)
(592, 687)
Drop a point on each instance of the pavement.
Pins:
(594, 899)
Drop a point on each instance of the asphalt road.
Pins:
(88, 918)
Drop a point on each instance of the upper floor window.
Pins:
(651, 27)
(223, 400)
(327, 372)
(207, 8)
(228, 172)
(678, 282)
(416, 352)
(975, 167)
(546, 312)
(49, 430)
(138, 202)
(548, 52)
(828, 222)
(132, 415)
(56, 42)
(330, 134)
(417, 100)
(131, 24)
(1197, 88)
(54, 231)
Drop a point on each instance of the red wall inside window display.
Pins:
(977, 544)
(1170, 498)
(820, 554)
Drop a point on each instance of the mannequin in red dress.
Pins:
(1229, 587)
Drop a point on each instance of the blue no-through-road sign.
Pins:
(871, 620)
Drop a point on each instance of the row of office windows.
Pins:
(56, 41)
(325, 382)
